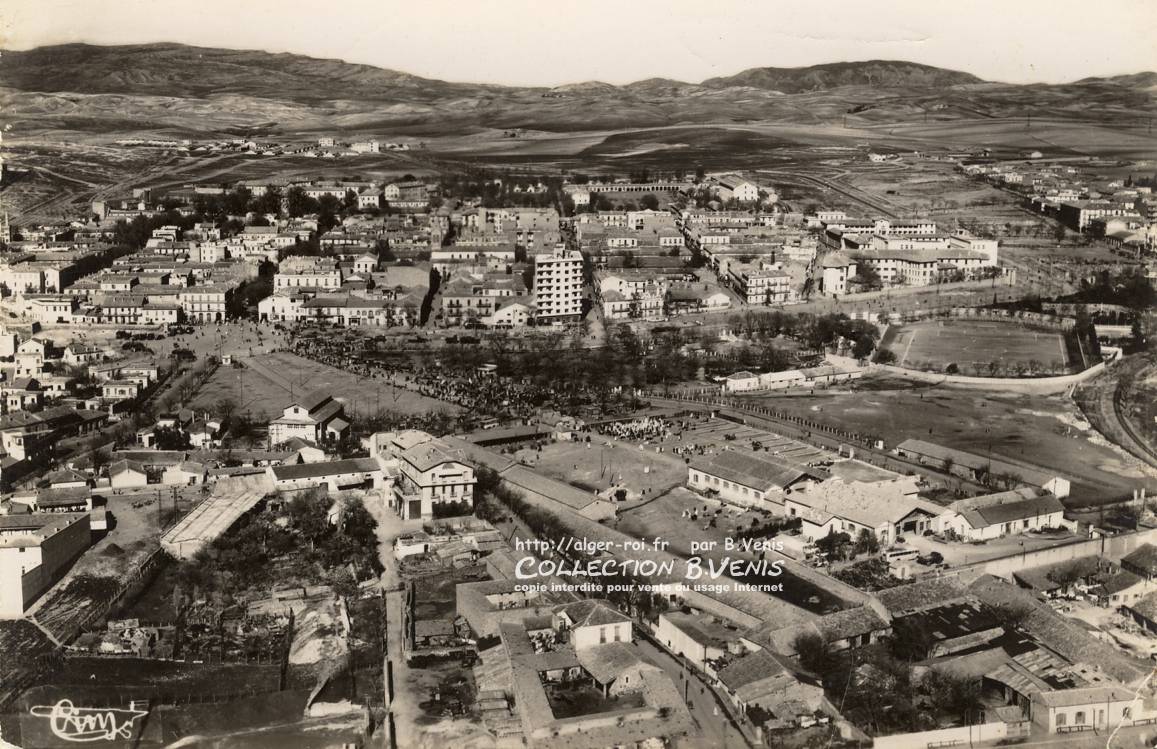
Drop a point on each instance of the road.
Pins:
(716, 728)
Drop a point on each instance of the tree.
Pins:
(649, 202)
(866, 542)
(885, 356)
(958, 696)
(297, 203)
(1067, 575)
(833, 544)
(1011, 615)
(224, 409)
(911, 640)
(863, 346)
(96, 454)
(814, 653)
(171, 438)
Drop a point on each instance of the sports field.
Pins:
(974, 345)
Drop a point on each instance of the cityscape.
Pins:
(804, 406)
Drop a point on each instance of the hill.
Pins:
(872, 73)
(76, 91)
(181, 71)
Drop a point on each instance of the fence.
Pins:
(1038, 385)
(1110, 546)
(944, 737)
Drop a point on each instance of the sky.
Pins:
(544, 42)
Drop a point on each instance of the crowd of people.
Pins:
(480, 391)
(644, 429)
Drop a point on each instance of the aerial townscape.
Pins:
(803, 407)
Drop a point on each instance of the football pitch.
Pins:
(975, 344)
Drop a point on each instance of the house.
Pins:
(687, 300)
(203, 435)
(119, 390)
(849, 629)
(127, 474)
(431, 473)
(1089, 708)
(1061, 696)
(316, 418)
(22, 394)
(1144, 612)
(76, 354)
(995, 515)
(762, 679)
(592, 622)
(66, 478)
(1142, 561)
(1123, 588)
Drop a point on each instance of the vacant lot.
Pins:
(600, 464)
(973, 345)
(269, 382)
(1036, 430)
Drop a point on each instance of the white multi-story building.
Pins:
(761, 285)
(205, 303)
(558, 286)
(35, 551)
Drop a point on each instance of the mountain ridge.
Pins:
(105, 69)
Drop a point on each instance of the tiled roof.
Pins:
(1144, 557)
(330, 468)
(748, 469)
(590, 613)
(749, 669)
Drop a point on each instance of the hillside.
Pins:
(177, 70)
(74, 91)
(873, 73)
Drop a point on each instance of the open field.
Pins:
(268, 382)
(600, 464)
(972, 345)
(936, 190)
(1036, 430)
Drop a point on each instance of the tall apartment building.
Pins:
(558, 286)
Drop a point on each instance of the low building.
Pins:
(748, 478)
(127, 474)
(995, 515)
(885, 509)
(700, 638)
(974, 467)
(764, 680)
(335, 475)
